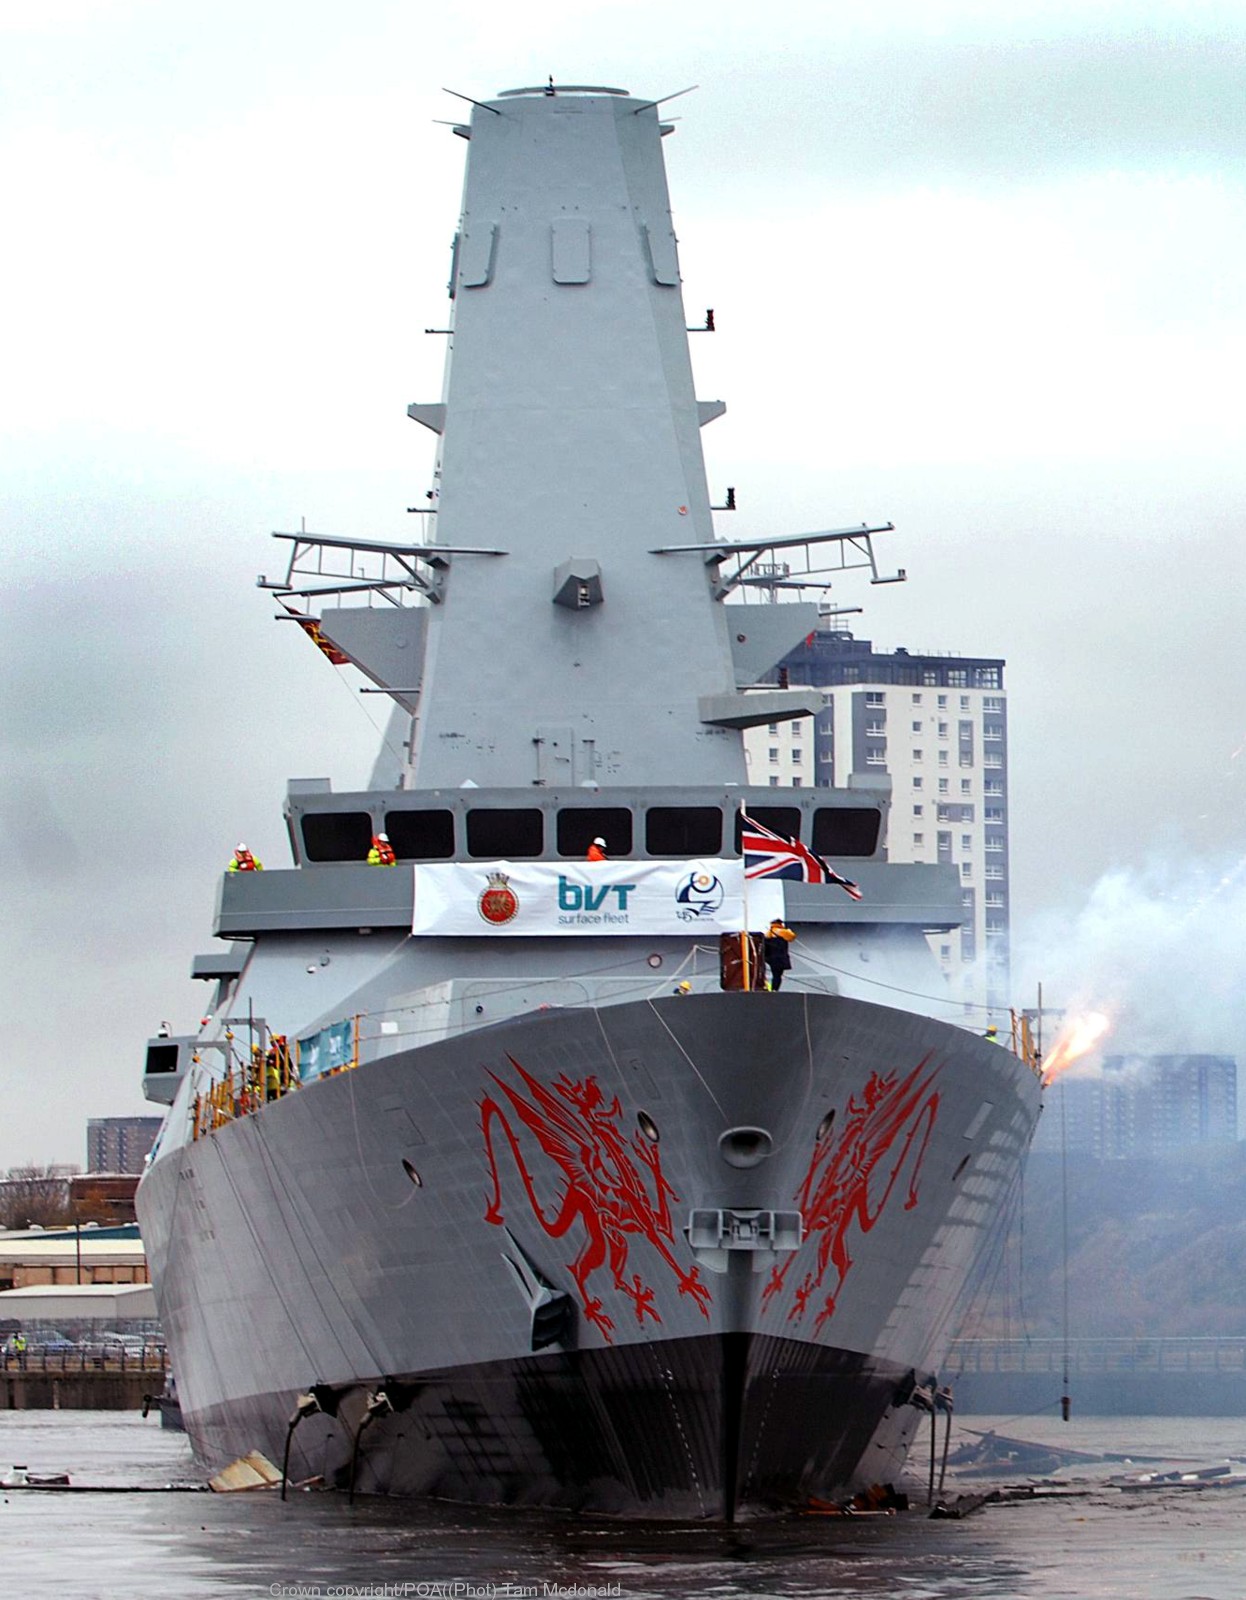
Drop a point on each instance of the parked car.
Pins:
(112, 1345)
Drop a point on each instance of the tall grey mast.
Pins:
(571, 441)
(574, 630)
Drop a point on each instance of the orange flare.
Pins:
(1078, 1037)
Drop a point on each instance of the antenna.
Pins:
(649, 104)
(470, 101)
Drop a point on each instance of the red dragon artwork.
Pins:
(851, 1176)
(601, 1185)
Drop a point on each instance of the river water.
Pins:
(136, 1526)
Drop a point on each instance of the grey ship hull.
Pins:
(295, 1247)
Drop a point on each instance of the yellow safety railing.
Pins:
(1023, 1042)
(248, 1082)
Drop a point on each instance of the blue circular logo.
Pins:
(700, 894)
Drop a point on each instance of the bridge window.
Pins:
(684, 831)
(161, 1058)
(784, 820)
(505, 835)
(421, 835)
(579, 826)
(337, 835)
(846, 830)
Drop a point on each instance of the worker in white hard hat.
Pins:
(597, 850)
(244, 861)
(382, 852)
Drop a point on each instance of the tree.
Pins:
(35, 1196)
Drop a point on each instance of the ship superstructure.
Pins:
(492, 1174)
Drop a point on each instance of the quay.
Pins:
(1161, 1377)
(76, 1380)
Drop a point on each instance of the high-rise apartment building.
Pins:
(1138, 1106)
(120, 1144)
(937, 726)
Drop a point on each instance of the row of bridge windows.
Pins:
(519, 833)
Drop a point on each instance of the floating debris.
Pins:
(879, 1500)
(20, 1477)
(252, 1471)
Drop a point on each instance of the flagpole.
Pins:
(747, 950)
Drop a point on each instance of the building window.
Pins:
(917, 783)
(964, 700)
(993, 814)
(774, 752)
(942, 785)
(995, 902)
(992, 759)
(993, 787)
(875, 758)
(987, 677)
(993, 702)
(966, 785)
(942, 701)
(930, 677)
(796, 783)
(774, 783)
(826, 755)
(957, 678)
(774, 728)
(919, 838)
(916, 727)
(991, 734)
(917, 699)
(994, 846)
(797, 754)
(945, 952)
(917, 811)
(917, 755)
(943, 758)
(876, 730)
(966, 841)
(943, 729)
(994, 872)
(874, 699)
(966, 869)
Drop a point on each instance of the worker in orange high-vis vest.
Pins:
(382, 852)
(244, 861)
(597, 850)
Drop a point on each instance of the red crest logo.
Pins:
(602, 1183)
(498, 903)
(851, 1176)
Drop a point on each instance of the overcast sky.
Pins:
(977, 269)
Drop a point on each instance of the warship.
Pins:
(495, 1172)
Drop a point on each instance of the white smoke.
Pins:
(1162, 953)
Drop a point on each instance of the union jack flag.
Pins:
(771, 855)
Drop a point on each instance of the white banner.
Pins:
(702, 898)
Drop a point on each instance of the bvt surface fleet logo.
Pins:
(498, 903)
(606, 903)
(700, 894)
